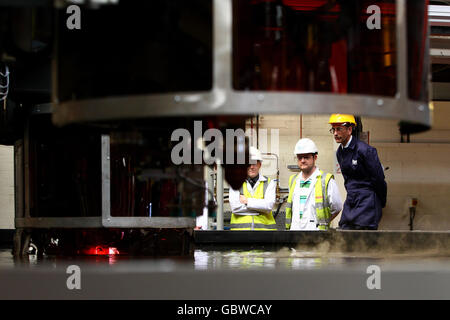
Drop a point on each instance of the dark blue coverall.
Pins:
(365, 185)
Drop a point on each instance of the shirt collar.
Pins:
(260, 178)
(348, 142)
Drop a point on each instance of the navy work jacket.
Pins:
(365, 185)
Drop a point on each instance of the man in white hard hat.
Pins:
(252, 205)
(314, 199)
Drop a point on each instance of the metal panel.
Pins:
(106, 179)
(26, 168)
(144, 222)
(402, 69)
(18, 180)
(130, 222)
(222, 100)
(86, 222)
(234, 103)
(23, 219)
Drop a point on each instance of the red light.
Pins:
(113, 251)
(101, 250)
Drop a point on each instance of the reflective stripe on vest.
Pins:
(320, 197)
(322, 205)
(292, 180)
(253, 222)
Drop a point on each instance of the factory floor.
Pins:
(239, 270)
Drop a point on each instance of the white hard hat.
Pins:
(305, 145)
(255, 154)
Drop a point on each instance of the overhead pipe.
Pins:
(301, 126)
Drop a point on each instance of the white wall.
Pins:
(416, 171)
(6, 187)
(419, 169)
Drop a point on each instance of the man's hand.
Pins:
(243, 199)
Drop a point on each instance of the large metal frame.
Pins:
(22, 187)
(131, 222)
(223, 100)
(22, 183)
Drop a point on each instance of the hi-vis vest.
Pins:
(263, 221)
(321, 200)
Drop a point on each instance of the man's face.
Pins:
(341, 133)
(253, 169)
(306, 161)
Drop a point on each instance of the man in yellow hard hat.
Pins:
(363, 176)
(252, 204)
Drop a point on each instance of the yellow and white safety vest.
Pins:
(322, 206)
(262, 221)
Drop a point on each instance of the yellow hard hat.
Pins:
(342, 118)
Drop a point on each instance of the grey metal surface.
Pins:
(229, 275)
(402, 52)
(318, 249)
(106, 178)
(239, 103)
(130, 222)
(340, 240)
(234, 272)
(70, 222)
(26, 167)
(23, 218)
(18, 180)
(222, 100)
(149, 222)
(106, 220)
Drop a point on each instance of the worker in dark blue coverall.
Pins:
(363, 177)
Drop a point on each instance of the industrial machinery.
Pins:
(93, 91)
